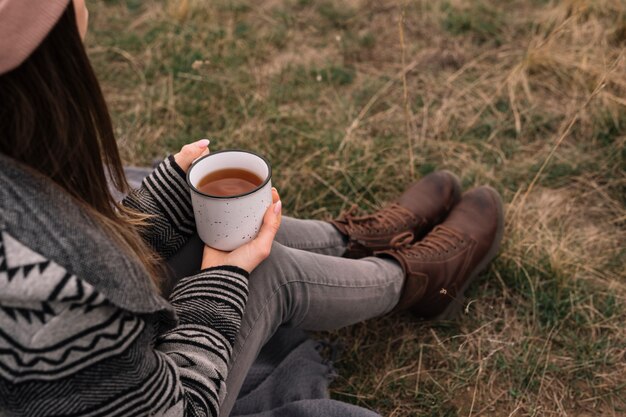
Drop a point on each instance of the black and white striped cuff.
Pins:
(168, 185)
(227, 284)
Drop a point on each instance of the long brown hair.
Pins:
(53, 112)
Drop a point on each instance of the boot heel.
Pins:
(452, 310)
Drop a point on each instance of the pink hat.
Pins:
(23, 26)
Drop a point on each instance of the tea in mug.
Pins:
(228, 182)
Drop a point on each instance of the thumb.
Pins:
(262, 244)
(190, 152)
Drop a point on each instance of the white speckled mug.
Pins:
(227, 222)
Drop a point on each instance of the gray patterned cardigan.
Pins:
(81, 331)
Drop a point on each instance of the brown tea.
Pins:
(229, 182)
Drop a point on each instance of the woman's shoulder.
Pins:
(27, 277)
(37, 218)
(53, 323)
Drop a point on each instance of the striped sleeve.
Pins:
(210, 312)
(164, 195)
(66, 350)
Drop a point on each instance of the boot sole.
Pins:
(456, 305)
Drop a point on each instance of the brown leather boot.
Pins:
(440, 267)
(423, 205)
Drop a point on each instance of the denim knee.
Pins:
(274, 286)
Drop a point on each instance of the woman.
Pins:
(83, 327)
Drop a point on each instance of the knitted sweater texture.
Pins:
(82, 333)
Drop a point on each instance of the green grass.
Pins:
(491, 90)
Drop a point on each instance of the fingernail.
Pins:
(278, 206)
(203, 143)
(274, 189)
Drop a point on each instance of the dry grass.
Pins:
(354, 99)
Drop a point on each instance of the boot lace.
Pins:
(389, 219)
(402, 240)
(440, 240)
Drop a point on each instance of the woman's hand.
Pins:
(191, 152)
(250, 255)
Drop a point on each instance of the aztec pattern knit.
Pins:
(81, 331)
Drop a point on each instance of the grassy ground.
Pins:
(354, 99)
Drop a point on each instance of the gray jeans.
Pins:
(304, 283)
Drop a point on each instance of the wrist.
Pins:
(176, 167)
(231, 268)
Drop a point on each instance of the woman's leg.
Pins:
(304, 283)
(311, 235)
(310, 291)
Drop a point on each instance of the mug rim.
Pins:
(223, 197)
